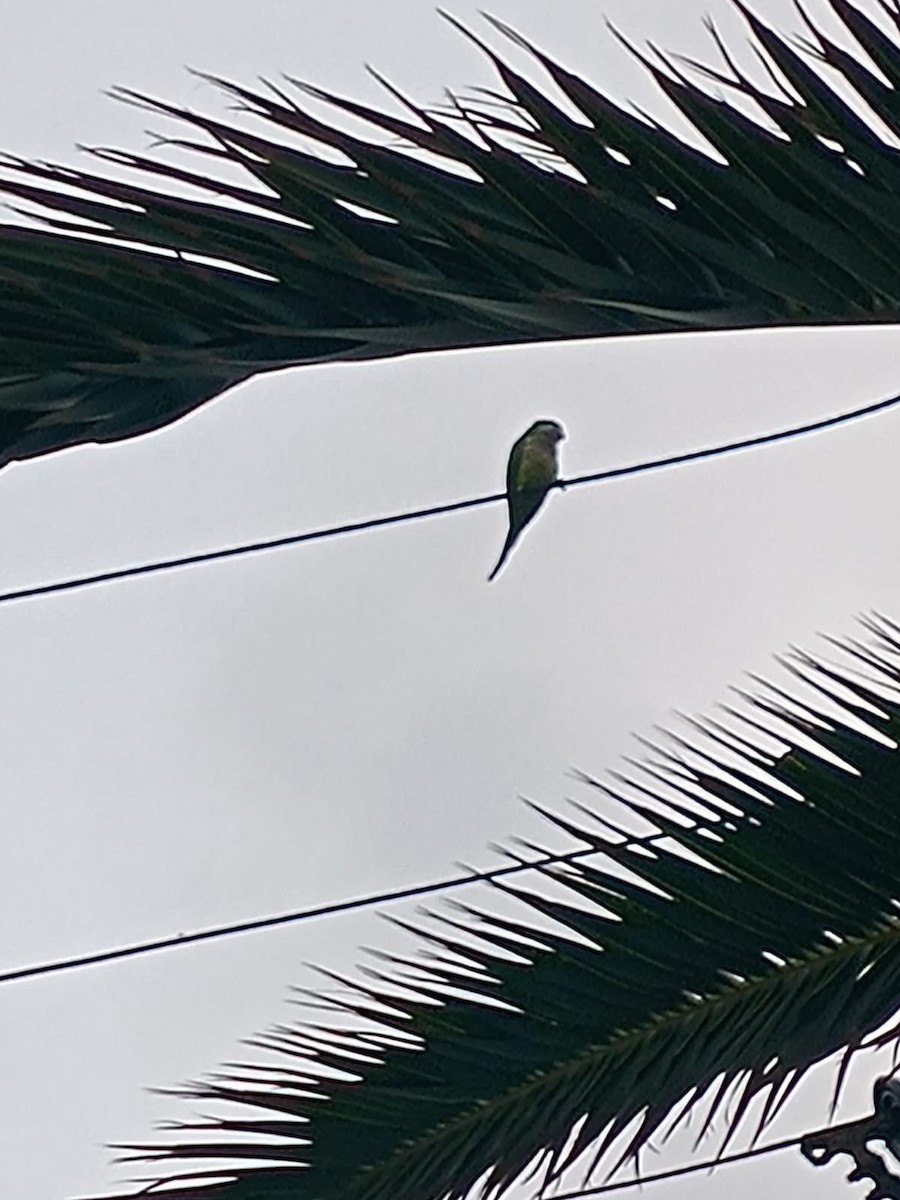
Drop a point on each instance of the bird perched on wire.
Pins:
(532, 468)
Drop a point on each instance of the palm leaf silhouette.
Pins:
(483, 225)
(734, 924)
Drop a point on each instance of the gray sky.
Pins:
(359, 714)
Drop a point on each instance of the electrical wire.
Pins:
(179, 940)
(689, 1169)
(132, 951)
(57, 966)
(316, 535)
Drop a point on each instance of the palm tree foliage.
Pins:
(485, 224)
(734, 921)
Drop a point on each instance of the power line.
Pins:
(674, 1172)
(304, 914)
(316, 535)
(132, 951)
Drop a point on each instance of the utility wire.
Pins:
(317, 535)
(204, 935)
(674, 1172)
(304, 914)
(59, 965)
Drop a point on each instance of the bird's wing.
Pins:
(514, 465)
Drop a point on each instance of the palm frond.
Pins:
(501, 220)
(735, 924)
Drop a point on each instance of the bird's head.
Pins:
(550, 431)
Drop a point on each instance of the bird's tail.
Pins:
(507, 546)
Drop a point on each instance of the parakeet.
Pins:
(532, 468)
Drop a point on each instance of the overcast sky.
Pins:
(359, 714)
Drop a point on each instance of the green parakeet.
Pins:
(532, 468)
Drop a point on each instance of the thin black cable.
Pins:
(674, 1172)
(304, 914)
(422, 889)
(315, 535)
